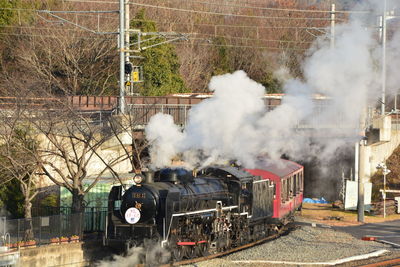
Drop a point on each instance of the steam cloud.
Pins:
(152, 255)
(235, 123)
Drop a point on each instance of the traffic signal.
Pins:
(135, 76)
(128, 68)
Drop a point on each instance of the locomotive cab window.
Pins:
(245, 196)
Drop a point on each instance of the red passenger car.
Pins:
(288, 178)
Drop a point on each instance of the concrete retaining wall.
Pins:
(379, 152)
(70, 254)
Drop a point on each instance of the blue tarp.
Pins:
(315, 200)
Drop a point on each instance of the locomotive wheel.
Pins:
(201, 250)
(177, 253)
(187, 252)
(244, 237)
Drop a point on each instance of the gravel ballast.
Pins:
(305, 244)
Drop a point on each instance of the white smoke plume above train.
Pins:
(235, 124)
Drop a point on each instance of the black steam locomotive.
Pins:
(191, 215)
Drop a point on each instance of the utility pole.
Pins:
(121, 57)
(361, 172)
(332, 26)
(383, 23)
(128, 73)
(127, 26)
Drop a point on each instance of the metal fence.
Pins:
(44, 230)
(64, 227)
(93, 218)
(180, 112)
(143, 112)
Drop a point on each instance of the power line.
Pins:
(254, 7)
(272, 8)
(247, 38)
(200, 12)
(225, 14)
(184, 33)
(231, 25)
(58, 11)
(181, 23)
(51, 36)
(206, 43)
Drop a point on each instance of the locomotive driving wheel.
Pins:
(177, 253)
(188, 252)
(201, 249)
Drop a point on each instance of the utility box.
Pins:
(397, 200)
(351, 197)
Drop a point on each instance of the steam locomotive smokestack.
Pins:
(149, 176)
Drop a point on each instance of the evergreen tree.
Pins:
(6, 15)
(11, 198)
(17, 11)
(222, 62)
(272, 84)
(160, 63)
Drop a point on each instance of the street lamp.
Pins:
(385, 171)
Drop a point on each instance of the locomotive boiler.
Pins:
(217, 208)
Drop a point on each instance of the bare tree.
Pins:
(61, 61)
(128, 131)
(72, 150)
(18, 151)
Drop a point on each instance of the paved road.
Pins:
(387, 232)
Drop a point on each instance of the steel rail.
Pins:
(392, 262)
(282, 231)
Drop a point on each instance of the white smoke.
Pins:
(131, 258)
(154, 255)
(235, 124)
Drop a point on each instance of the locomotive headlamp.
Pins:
(138, 179)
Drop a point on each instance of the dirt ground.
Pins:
(326, 214)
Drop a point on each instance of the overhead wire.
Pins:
(200, 12)
(183, 33)
(274, 8)
(227, 14)
(194, 24)
(51, 36)
(205, 43)
(244, 6)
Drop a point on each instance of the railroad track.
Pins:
(392, 262)
(285, 230)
